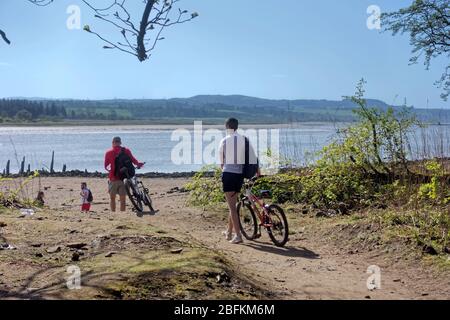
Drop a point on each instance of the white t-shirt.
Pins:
(84, 195)
(232, 153)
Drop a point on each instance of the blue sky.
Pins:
(295, 49)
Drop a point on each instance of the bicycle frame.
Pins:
(258, 204)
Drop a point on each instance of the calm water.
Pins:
(84, 147)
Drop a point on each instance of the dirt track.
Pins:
(309, 267)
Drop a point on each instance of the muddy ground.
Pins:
(180, 253)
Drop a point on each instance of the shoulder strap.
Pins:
(247, 147)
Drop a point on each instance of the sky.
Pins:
(291, 49)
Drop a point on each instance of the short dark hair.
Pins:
(117, 140)
(232, 123)
(84, 183)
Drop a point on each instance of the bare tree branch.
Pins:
(156, 16)
(41, 3)
(3, 35)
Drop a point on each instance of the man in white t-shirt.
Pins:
(232, 160)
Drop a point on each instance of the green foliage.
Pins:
(204, 189)
(437, 189)
(427, 23)
(428, 227)
(284, 187)
(12, 196)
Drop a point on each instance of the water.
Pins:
(84, 147)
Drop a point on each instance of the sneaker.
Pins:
(228, 235)
(236, 240)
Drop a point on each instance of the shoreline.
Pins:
(161, 126)
(96, 174)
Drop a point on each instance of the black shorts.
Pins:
(232, 182)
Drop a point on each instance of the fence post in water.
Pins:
(52, 163)
(64, 168)
(7, 167)
(22, 166)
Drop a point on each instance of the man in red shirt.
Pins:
(116, 185)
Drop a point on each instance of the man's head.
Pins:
(83, 185)
(116, 142)
(232, 124)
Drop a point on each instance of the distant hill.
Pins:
(211, 108)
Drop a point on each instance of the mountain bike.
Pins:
(137, 193)
(254, 213)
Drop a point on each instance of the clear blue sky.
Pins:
(273, 49)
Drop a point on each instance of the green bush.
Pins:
(204, 189)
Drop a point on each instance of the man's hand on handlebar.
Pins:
(140, 165)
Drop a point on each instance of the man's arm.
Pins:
(107, 161)
(221, 154)
(133, 159)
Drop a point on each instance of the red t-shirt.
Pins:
(110, 158)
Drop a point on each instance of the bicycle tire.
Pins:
(133, 196)
(148, 200)
(249, 233)
(283, 220)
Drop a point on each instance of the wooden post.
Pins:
(52, 163)
(29, 169)
(7, 167)
(22, 166)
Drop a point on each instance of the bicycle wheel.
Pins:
(147, 199)
(134, 196)
(279, 232)
(247, 220)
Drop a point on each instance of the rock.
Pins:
(447, 249)
(110, 254)
(367, 297)
(223, 277)
(322, 214)
(424, 294)
(39, 255)
(178, 250)
(36, 245)
(397, 280)
(54, 249)
(429, 250)
(75, 256)
(76, 245)
(305, 210)
(342, 208)
(6, 246)
(2, 224)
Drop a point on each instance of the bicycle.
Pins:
(137, 193)
(270, 216)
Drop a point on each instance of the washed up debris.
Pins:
(110, 254)
(76, 245)
(75, 256)
(2, 224)
(27, 212)
(54, 249)
(223, 277)
(7, 246)
(178, 250)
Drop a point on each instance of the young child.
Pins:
(86, 198)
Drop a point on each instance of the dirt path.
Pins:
(307, 268)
